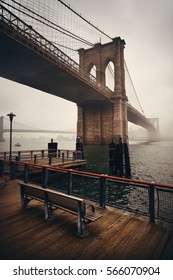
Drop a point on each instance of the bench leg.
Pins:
(81, 232)
(24, 199)
(48, 212)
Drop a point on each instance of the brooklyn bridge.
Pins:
(30, 56)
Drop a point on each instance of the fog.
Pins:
(146, 27)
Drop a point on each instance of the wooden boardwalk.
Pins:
(117, 235)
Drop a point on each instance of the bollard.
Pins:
(127, 161)
(79, 146)
(119, 160)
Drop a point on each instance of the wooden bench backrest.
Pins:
(34, 191)
(62, 200)
(65, 201)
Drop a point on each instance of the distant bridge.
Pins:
(24, 130)
(30, 59)
(38, 131)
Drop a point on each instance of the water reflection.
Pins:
(97, 159)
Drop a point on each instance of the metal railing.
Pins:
(36, 156)
(151, 199)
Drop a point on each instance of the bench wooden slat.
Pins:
(92, 216)
(34, 192)
(65, 202)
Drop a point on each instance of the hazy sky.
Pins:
(146, 26)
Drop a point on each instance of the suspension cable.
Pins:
(87, 21)
(133, 87)
(72, 35)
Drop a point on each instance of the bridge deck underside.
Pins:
(24, 66)
(138, 121)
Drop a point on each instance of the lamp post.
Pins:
(11, 115)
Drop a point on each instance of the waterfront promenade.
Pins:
(117, 235)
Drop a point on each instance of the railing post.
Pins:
(74, 156)
(44, 177)
(151, 204)
(17, 158)
(102, 183)
(42, 153)
(62, 158)
(35, 159)
(50, 159)
(1, 167)
(70, 185)
(26, 173)
(12, 170)
(59, 153)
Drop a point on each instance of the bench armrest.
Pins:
(90, 206)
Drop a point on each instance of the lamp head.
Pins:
(11, 115)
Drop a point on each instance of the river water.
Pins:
(149, 161)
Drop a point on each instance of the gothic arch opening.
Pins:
(92, 70)
(109, 76)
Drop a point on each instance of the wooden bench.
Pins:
(54, 199)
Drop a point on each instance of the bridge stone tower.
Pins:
(155, 123)
(154, 134)
(99, 122)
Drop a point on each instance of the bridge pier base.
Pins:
(99, 123)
